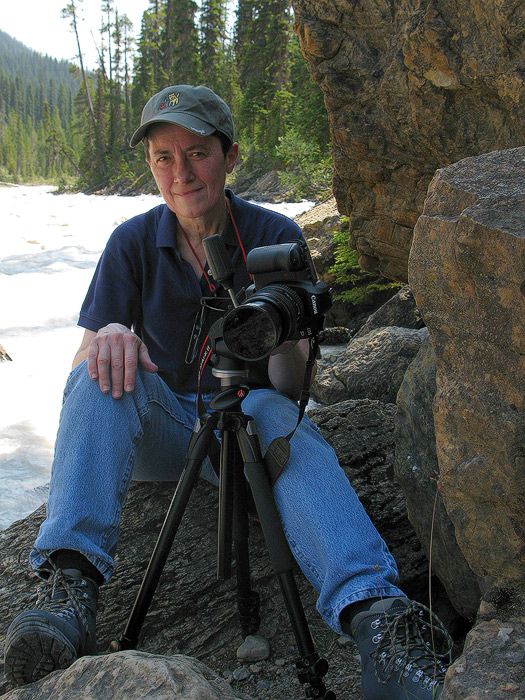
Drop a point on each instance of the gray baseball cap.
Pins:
(196, 108)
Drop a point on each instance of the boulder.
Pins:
(466, 272)
(133, 675)
(409, 87)
(416, 469)
(493, 659)
(371, 366)
(400, 310)
(193, 614)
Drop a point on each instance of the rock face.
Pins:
(467, 275)
(416, 469)
(132, 675)
(410, 87)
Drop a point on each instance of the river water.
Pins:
(49, 247)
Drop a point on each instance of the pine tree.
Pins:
(213, 48)
(181, 44)
(262, 34)
(70, 11)
(307, 112)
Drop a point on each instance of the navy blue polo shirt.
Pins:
(142, 281)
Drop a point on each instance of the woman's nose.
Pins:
(182, 170)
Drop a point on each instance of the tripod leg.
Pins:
(228, 467)
(310, 668)
(196, 452)
(248, 601)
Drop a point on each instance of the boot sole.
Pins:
(34, 649)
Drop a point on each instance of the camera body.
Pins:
(285, 302)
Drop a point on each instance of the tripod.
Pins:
(240, 455)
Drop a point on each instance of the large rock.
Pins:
(467, 275)
(318, 226)
(416, 469)
(400, 310)
(371, 366)
(410, 87)
(132, 675)
(493, 659)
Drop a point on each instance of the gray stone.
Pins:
(254, 648)
(467, 275)
(371, 366)
(241, 674)
(132, 675)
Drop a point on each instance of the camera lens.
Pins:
(251, 331)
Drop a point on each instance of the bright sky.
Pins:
(38, 25)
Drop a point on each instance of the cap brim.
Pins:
(197, 126)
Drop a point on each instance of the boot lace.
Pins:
(66, 597)
(412, 640)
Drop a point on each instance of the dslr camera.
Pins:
(285, 302)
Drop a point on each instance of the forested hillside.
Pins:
(49, 132)
(36, 104)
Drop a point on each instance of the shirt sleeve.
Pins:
(114, 293)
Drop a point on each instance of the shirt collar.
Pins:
(166, 231)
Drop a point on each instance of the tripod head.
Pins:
(231, 372)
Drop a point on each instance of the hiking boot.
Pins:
(397, 640)
(58, 630)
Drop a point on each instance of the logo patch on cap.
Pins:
(172, 100)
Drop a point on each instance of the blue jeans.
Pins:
(103, 443)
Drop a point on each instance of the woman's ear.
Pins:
(231, 157)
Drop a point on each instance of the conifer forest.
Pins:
(63, 124)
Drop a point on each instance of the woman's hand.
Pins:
(113, 355)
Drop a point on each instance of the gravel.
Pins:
(276, 678)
